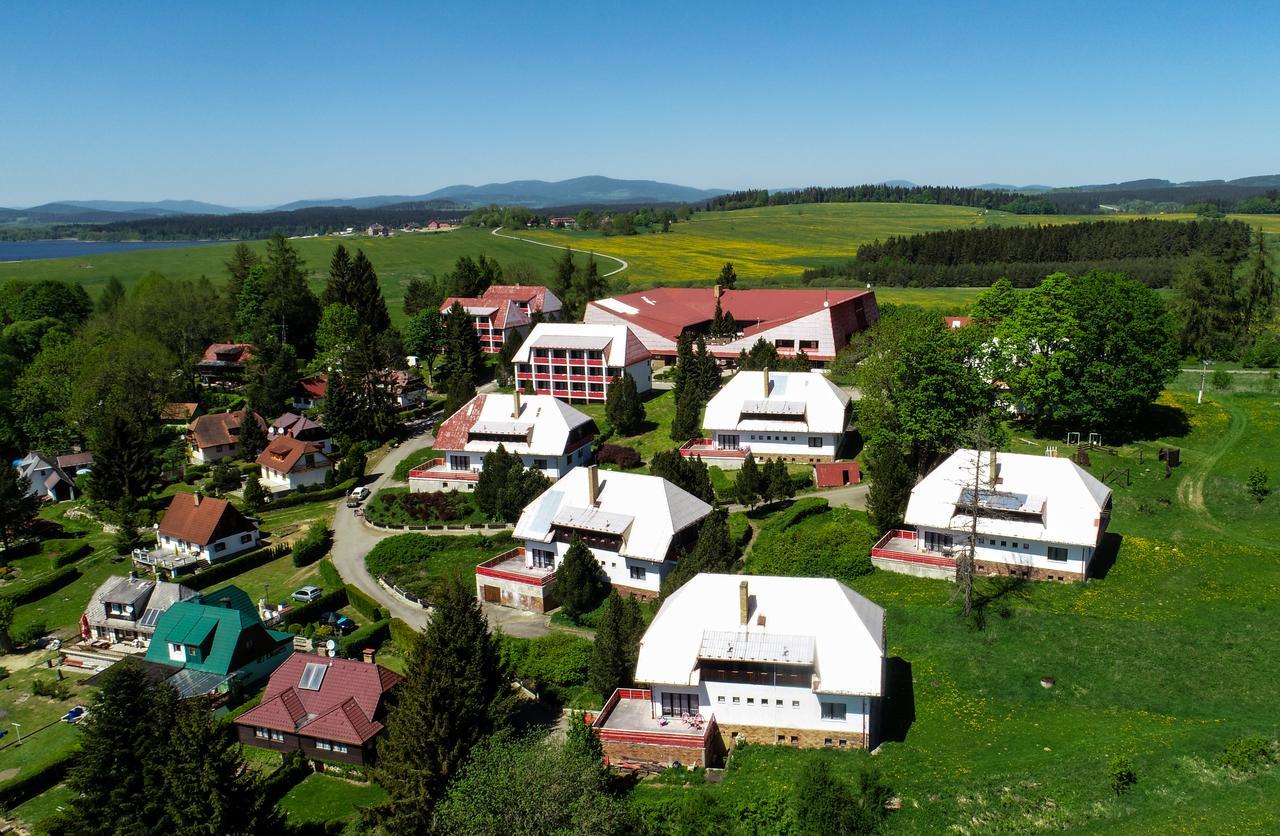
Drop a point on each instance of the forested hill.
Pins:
(883, 193)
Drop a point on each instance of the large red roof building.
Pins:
(503, 309)
(819, 322)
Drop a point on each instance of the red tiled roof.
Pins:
(342, 709)
(453, 432)
(178, 411)
(316, 385)
(532, 294)
(229, 352)
(220, 428)
(955, 321)
(283, 453)
(668, 311)
(203, 521)
(71, 461)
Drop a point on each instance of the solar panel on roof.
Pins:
(312, 676)
(756, 647)
(1003, 500)
(150, 617)
(773, 407)
(593, 519)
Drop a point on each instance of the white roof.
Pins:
(1057, 500)
(808, 394)
(545, 421)
(818, 619)
(612, 339)
(648, 511)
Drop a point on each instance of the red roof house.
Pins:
(204, 528)
(503, 310)
(327, 708)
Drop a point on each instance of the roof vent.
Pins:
(515, 403)
(760, 620)
(765, 377)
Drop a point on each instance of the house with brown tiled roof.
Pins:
(216, 437)
(302, 428)
(329, 709)
(504, 310)
(223, 362)
(311, 391)
(202, 528)
(287, 464)
(179, 412)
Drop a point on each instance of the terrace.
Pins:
(705, 448)
(167, 558)
(905, 546)
(511, 566)
(439, 469)
(628, 718)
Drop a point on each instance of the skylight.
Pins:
(313, 676)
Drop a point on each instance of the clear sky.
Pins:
(258, 103)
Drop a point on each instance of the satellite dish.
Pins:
(331, 644)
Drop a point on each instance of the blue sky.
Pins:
(258, 103)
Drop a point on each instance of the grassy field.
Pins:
(44, 739)
(322, 798)
(1164, 660)
(772, 245)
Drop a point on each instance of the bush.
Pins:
(307, 613)
(403, 635)
(1120, 775)
(370, 635)
(26, 591)
(395, 507)
(1246, 754)
(1258, 484)
(330, 577)
(28, 633)
(617, 454)
(54, 689)
(559, 659)
(37, 782)
(219, 572)
(364, 605)
(316, 495)
(313, 545)
(1221, 379)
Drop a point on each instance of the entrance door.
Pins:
(491, 594)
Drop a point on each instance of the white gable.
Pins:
(818, 618)
(648, 511)
(612, 339)
(545, 421)
(821, 402)
(1056, 500)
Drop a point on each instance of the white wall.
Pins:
(616, 567)
(807, 715)
(1027, 554)
(796, 444)
(642, 374)
(210, 553)
(815, 326)
(216, 453)
(276, 480)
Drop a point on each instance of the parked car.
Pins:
(360, 494)
(345, 625)
(307, 594)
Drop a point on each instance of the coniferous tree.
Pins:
(455, 693)
(339, 408)
(460, 366)
(708, 371)
(780, 484)
(238, 266)
(421, 296)
(290, 311)
(112, 295)
(7, 611)
(747, 484)
(1260, 286)
(714, 551)
(253, 435)
(271, 379)
(728, 276)
(580, 585)
(688, 418)
(18, 507)
(611, 657)
(561, 282)
(338, 289)
(254, 495)
(892, 478)
(122, 462)
(767, 483)
(366, 296)
(688, 474)
(250, 300)
(458, 395)
(623, 408)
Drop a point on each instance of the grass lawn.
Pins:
(42, 743)
(275, 580)
(417, 457)
(385, 508)
(659, 411)
(440, 557)
(37, 809)
(322, 798)
(1164, 660)
(287, 523)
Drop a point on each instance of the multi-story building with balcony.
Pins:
(503, 310)
(578, 362)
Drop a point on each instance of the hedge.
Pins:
(370, 635)
(403, 635)
(24, 592)
(313, 545)
(74, 555)
(32, 785)
(302, 497)
(219, 572)
(329, 575)
(308, 613)
(364, 605)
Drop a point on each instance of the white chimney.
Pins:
(515, 403)
(744, 604)
(593, 485)
(765, 376)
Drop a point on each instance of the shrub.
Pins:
(314, 495)
(363, 604)
(28, 633)
(308, 613)
(394, 508)
(1246, 754)
(25, 591)
(313, 545)
(1258, 484)
(559, 659)
(370, 635)
(617, 454)
(32, 785)
(810, 539)
(330, 577)
(1120, 775)
(1221, 379)
(65, 552)
(54, 689)
(403, 635)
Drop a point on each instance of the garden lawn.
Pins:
(655, 436)
(48, 803)
(417, 562)
(276, 580)
(287, 523)
(417, 457)
(322, 798)
(45, 739)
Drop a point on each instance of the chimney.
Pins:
(515, 403)
(370, 655)
(744, 604)
(765, 376)
(196, 497)
(133, 576)
(993, 470)
(226, 602)
(593, 485)
(718, 291)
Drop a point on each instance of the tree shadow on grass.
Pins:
(1105, 556)
(1160, 421)
(993, 595)
(899, 711)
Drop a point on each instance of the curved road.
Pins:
(498, 232)
(352, 540)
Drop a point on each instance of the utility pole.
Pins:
(1204, 369)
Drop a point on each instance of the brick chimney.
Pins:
(744, 604)
(765, 377)
(370, 655)
(515, 403)
(196, 497)
(593, 485)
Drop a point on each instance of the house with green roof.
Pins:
(215, 641)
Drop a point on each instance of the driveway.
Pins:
(353, 540)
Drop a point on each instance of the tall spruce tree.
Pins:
(728, 276)
(366, 296)
(420, 295)
(111, 297)
(623, 408)
(747, 484)
(611, 658)
(253, 435)
(271, 378)
(238, 266)
(123, 466)
(579, 582)
(290, 310)
(455, 692)
(338, 289)
(18, 506)
(463, 358)
(892, 478)
(250, 299)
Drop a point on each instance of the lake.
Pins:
(31, 250)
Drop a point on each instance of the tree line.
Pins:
(866, 193)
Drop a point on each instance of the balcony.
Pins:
(168, 558)
(705, 448)
(510, 566)
(628, 717)
(439, 469)
(906, 547)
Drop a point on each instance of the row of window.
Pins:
(564, 370)
(830, 710)
(573, 354)
(1055, 553)
(727, 440)
(278, 737)
(807, 345)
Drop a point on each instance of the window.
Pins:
(245, 538)
(459, 462)
(1026, 546)
(751, 700)
(261, 733)
(778, 703)
(1004, 543)
(737, 700)
(826, 742)
(720, 699)
(815, 441)
(981, 541)
(540, 464)
(844, 742)
(1057, 553)
(795, 703)
(324, 745)
(559, 369)
(833, 711)
(785, 343)
(808, 344)
(218, 547)
(543, 559)
(795, 741)
(782, 738)
(277, 736)
(637, 573)
(340, 748)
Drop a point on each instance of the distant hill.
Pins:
(1005, 187)
(67, 213)
(536, 194)
(1263, 181)
(156, 207)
